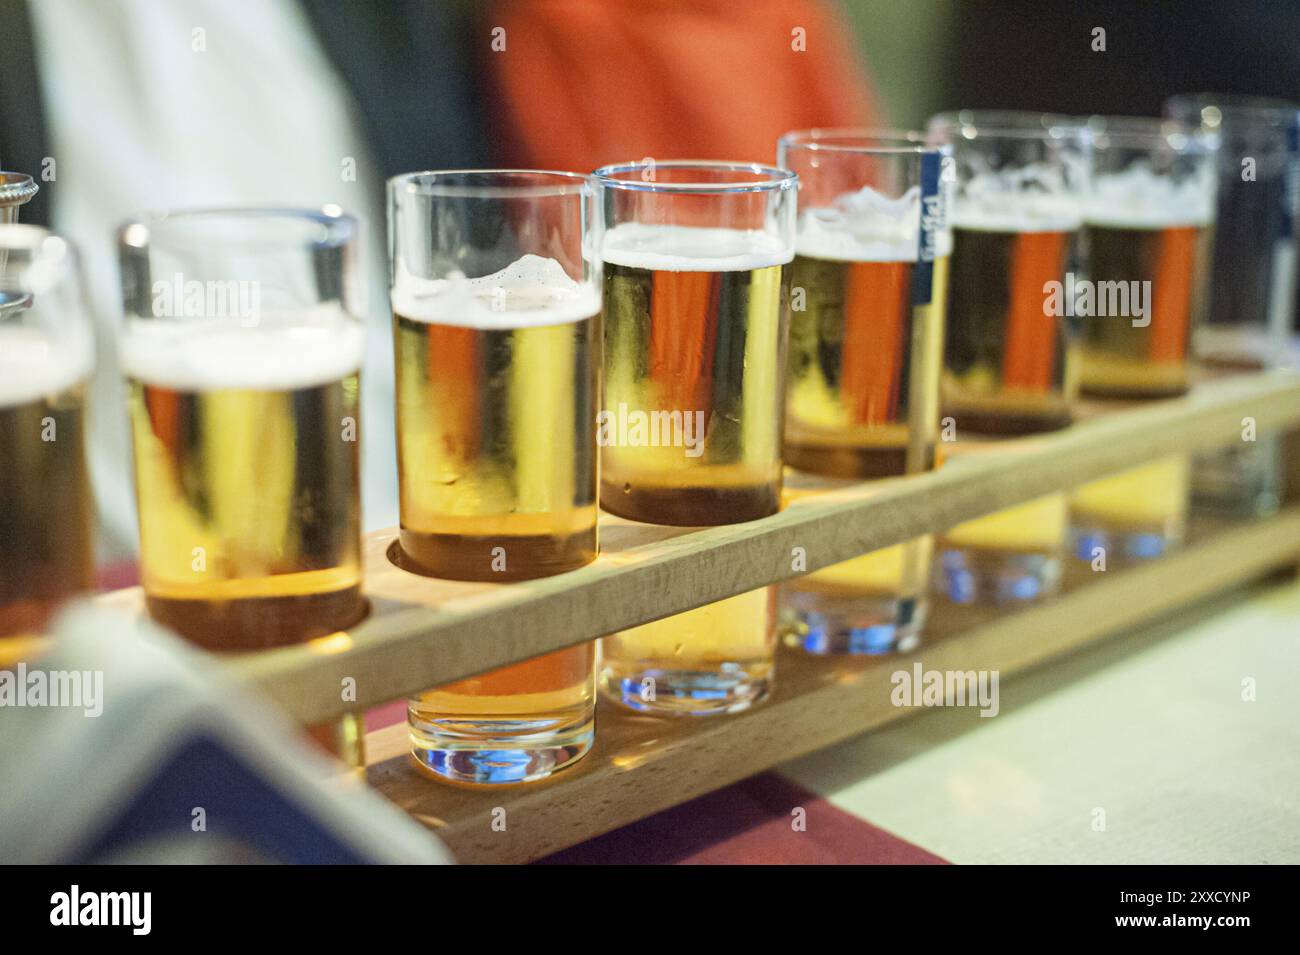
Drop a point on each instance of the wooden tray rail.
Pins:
(640, 766)
(424, 632)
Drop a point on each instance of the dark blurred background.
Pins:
(930, 55)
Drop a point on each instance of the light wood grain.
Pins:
(640, 765)
(424, 632)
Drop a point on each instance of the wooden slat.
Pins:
(640, 765)
(424, 632)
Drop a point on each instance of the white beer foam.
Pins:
(680, 248)
(1027, 214)
(1028, 199)
(1137, 198)
(530, 292)
(865, 226)
(35, 364)
(281, 351)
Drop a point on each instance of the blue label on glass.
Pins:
(931, 222)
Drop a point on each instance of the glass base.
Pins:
(728, 688)
(1129, 545)
(971, 576)
(1240, 481)
(499, 751)
(826, 624)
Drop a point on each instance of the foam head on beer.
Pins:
(1147, 216)
(1017, 211)
(1139, 196)
(34, 364)
(863, 369)
(988, 206)
(496, 409)
(865, 226)
(685, 248)
(280, 351)
(247, 472)
(695, 320)
(532, 290)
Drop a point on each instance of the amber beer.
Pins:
(860, 358)
(696, 314)
(1011, 363)
(871, 604)
(862, 402)
(495, 295)
(702, 336)
(46, 356)
(495, 418)
(46, 547)
(695, 330)
(497, 389)
(1147, 357)
(1142, 512)
(551, 693)
(1008, 367)
(247, 475)
(242, 354)
(1148, 232)
(869, 281)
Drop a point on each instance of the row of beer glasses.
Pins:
(1113, 215)
(706, 271)
(508, 288)
(242, 351)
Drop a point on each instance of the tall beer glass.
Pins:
(46, 355)
(1010, 361)
(496, 325)
(868, 285)
(242, 351)
(696, 319)
(1147, 227)
(1252, 298)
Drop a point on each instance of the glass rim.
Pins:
(767, 178)
(870, 140)
(1267, 110)
(1006, 124)
(1150, 131)
(425, 182)
(49, 258)
(139, 231)
(16, 188)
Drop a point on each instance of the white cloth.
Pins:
(194, 103)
